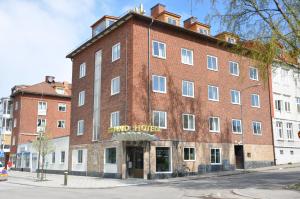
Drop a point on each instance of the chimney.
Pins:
(188, 22)
(49, 79)
(157, 10)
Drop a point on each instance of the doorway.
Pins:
(135, 162)
(239, 156)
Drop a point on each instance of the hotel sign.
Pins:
(134, 128)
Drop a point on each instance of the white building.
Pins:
(55, 162)
(5, 124)
(286, 120)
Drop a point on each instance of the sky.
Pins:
(36, 35)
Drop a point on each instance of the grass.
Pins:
(294, 187)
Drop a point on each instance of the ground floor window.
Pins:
(215, 156)
(27, 160)
(62, 157)
(163, 159)
(189, 154)
(110, 155)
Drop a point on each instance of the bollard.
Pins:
(65, 178)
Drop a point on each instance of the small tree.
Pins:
(44, 147)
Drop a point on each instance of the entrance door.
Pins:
(135, 162)
(239, 156)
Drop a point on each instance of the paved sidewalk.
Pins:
(86, 182)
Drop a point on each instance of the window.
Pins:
(61, 124)
(253, 73)
(298, 104)
(212, 63)
(186, 56)
(110, 156)
(62, 156)
(53, 157)
(292, 152)
(289, 131)
(255, 100)
(236, 126)
(281, 152)
(160, 119)
(115, 52)
(159, 84)
(171, 21)
(234, 68)
(284, 74)
(231, 40)
(79, 156)
(15, 123)
(279, 129)
(278, 105)
(235, 97)
(163, 159)
(41, 125)
(189, 154)
(82, 70)
(203, 31)
(159, 49)
(81, 98)
(287, 106)
(187, 88)
(214, 124)
(189, 122)
(60, 91)
(115, 119)
(215, 156)
(213, 93)
(115, 86)
(62, 107)
(16, 105)
(42, 108)
(256, 127)
(80, 127)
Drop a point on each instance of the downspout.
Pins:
(149, 90)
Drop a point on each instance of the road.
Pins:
(268, 184)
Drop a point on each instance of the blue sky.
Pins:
(36, 35)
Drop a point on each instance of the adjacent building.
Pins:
(42, 108)
(151, 98)
(5, 127)
(286, 103)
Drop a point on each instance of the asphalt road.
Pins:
(270, 184)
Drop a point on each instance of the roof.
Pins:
(169, 13)
(43, 88)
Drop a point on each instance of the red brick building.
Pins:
(41, 108)
(210, 103)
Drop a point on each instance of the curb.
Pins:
(235, 192)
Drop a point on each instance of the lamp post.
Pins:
(243, 133)
(40, 132)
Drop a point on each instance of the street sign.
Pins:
(1, 154)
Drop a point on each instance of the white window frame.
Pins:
(117, 46)
(241, 126)
(81, 98)
(42, 111)
(189, 160)
(79, 124)
(165, 50)
(219, 125)
(64, 124)
(278, 129)
(218, 96)
(256, 122)
(278, 103)
(287, 106)
(184, 60)
(41, 128)
(193, 120)
(239, 97)
(188, 84)
(289, 129)
(62, 105)
(220, 163)
(165, 84)
(253, 68)
(82, 70)
(159, 116)
(238, 68)
(217, 65)
(117, 115)
(171, 20)
(118, 81)
(258, 97)
(298, 104)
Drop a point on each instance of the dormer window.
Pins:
(171, 21)
(110, 22)
(60, 91)
(102, 24)
(231, 40)
(203, 31)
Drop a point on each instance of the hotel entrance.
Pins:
(135, 162)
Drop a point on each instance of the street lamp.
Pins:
(40, 132)
(243, 133)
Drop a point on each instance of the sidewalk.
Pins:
(86, 182)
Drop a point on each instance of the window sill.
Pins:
(238, 133)
(215, 132)
(159, 57)
(191, 130)
(188, 96)
(215, 70)
(113, 94)
(215, 163)
(161, 92)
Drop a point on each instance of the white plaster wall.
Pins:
(79, 166)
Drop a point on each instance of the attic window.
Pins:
(231, 40)
(171, 21)
(203, 31)
(110, 22)
(60, 91)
